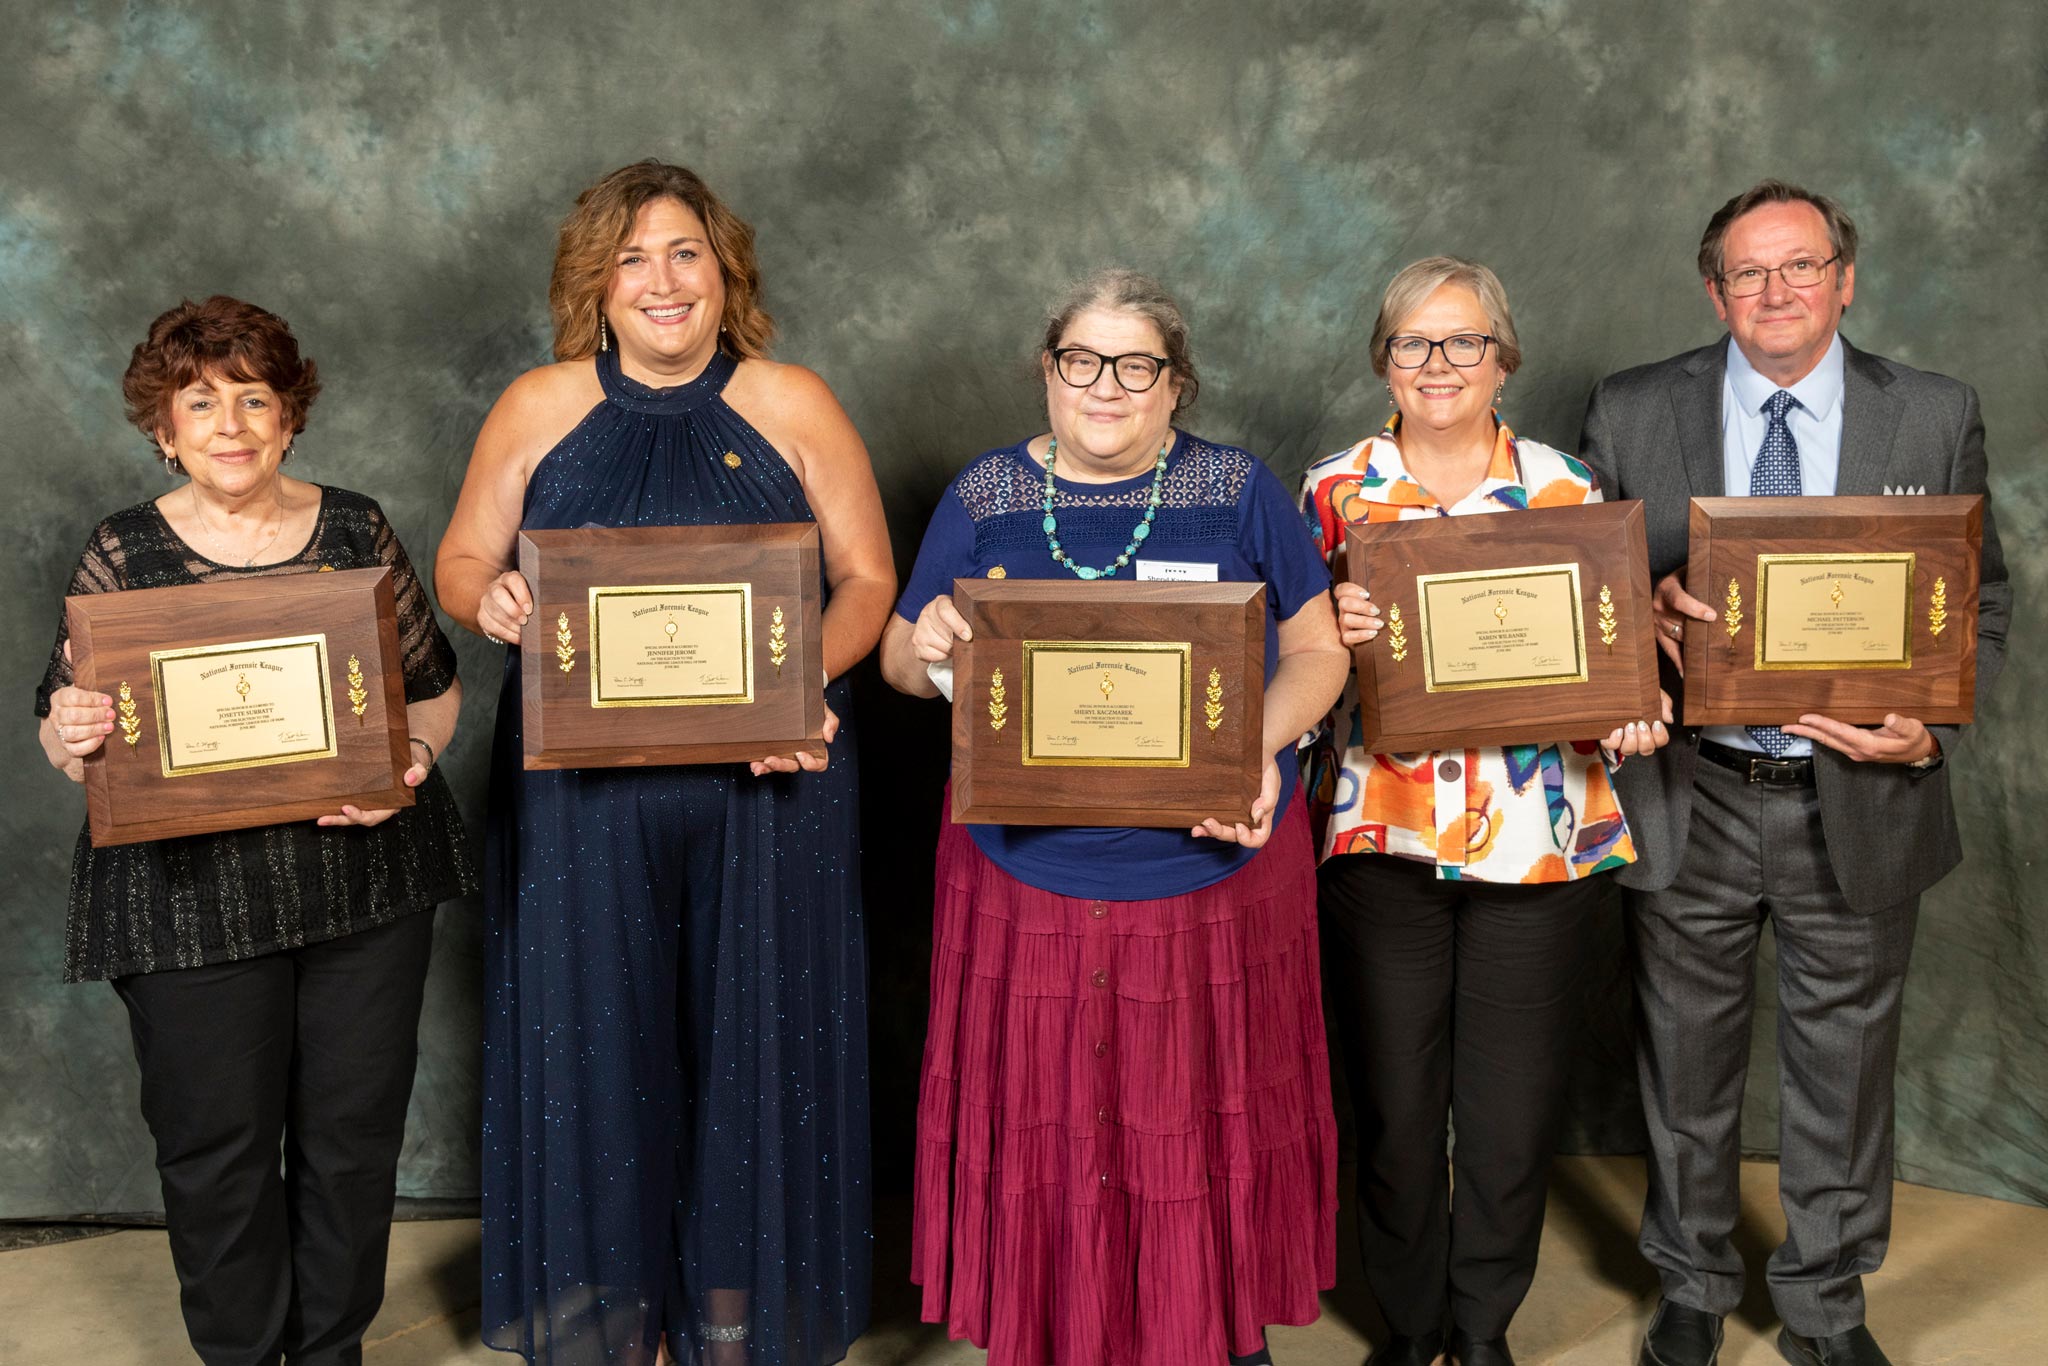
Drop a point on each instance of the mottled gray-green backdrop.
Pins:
(388, 174)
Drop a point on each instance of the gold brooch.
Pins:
(732, 460)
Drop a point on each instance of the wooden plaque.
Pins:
(242, 702)
(672, 645)
(1505, 629)
(1875, 610)
(1175, 737)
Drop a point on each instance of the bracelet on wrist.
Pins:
(414, 739)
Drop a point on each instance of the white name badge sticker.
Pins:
(1176, 571)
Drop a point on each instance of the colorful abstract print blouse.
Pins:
(1542, 812)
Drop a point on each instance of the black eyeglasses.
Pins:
(1135, 371)
(1465, 350)
(1802, 273)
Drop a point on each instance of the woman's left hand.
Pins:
(1261, 828)
(353, 815)
(790, 763)
(1641, 737)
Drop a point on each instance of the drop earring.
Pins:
(604, 341)
(1498, 392)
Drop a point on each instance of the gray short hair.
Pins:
(1841, 228)
(1128, 291)
(1411, 288)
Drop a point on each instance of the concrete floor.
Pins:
(1966, 1284)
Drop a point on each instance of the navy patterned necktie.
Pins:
(1775, 475)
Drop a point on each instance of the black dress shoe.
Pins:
(1467, 1350)
(1402, 1350)
(1853, 1348)
(1680, 1335)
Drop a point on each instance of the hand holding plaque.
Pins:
(228, 718)
(1504, 629)
(1108, 704)
(672, 645)
(1851, 608)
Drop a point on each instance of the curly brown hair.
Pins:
(586, 251)
(223, 337)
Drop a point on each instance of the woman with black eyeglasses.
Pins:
(1126, 1151)
(1458, 886)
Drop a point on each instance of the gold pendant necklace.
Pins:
(214, 541)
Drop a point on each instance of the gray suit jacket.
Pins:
(1654, 433)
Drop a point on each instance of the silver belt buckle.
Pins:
(1777, 772)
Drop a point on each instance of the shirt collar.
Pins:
(1818, 392)
(1503, 471)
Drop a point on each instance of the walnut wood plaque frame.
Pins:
(1932, 542)
(347, 621)
(1595, 553)
(773, 568)
(1215, 632)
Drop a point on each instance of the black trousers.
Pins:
(1452, 1000)
(276, 1090)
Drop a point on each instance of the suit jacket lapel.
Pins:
(1870, 420)
(1696, 401)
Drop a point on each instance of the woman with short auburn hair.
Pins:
(272, 976)
(675, 1151)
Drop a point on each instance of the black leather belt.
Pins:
(1759, 768)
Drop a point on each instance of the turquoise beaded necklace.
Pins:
(1138, 532)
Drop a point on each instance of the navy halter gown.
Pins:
(675, 1132)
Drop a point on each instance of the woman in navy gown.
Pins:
(675, 1138)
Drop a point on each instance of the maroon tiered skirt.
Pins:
(1126, 1154)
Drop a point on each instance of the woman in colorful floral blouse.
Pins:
(1457, 887)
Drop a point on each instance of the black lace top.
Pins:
(178, 903)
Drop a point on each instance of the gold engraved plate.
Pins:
(1111, 702)
(636, 660)
(1937, 608)
(246, 704)
(1502, 628)
(1834, 611)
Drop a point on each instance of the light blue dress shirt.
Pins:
(1816, 426)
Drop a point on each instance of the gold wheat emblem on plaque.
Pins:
(1937, 608)
(1607, 626)
(1212, 703)
(358, 695)
(778, 640)
(1397, 641)
(998, 712)
(131, 726)
(565, 648)
(1733, 615)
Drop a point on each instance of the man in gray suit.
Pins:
(1830, 831)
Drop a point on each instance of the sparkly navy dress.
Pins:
(675, 1133)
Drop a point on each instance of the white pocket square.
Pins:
(1921, 489)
